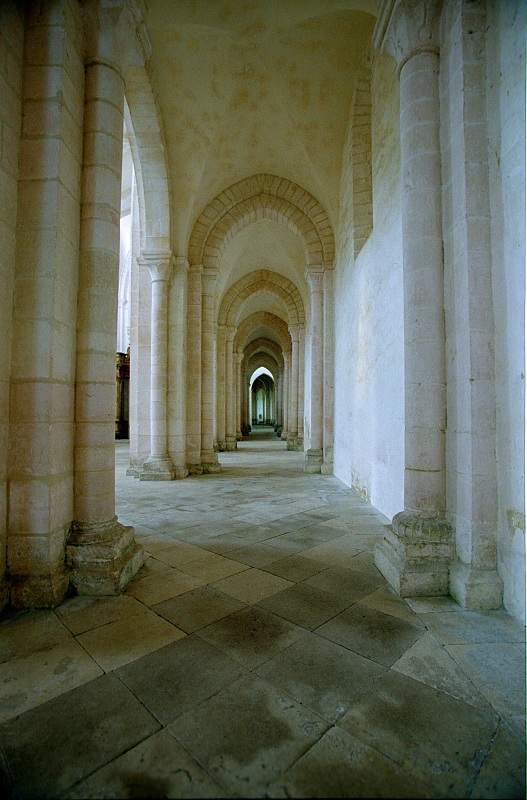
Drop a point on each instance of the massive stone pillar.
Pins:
(220, 389)
(177, 367)
(230, 391)
(415, 554)
(194, 371)
(329, 373)
(158, 466)
(102, 553)
(42, 307)
(209, 459)
(292, 431)
(314, 454)
(301, 376)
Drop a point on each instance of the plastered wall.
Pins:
(369, 446)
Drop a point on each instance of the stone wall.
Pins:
(11, 50)
(507, 23)
(369, 316)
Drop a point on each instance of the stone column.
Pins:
(415, 554)
(301, 376)
(238, 357)
(209, 458)
(285, 428)
(329, 372)
(102, 553)
(279, 381)
(158, 466)
(220, 388)
(314, 454)
(194, 371)
(177, 367)
(230, 391)
(244, 392)
(293, 390)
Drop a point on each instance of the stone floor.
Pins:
(259, 653)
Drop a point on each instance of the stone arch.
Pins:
(259, 197)
(260, 281)
(267, 346)
(147, 138)
(266, 319)
(264, 360)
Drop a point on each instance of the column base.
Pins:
(230, 443)
(103, 558)
(284, 436)
(195, 469)
(221, 445)
(209, 462)
(291, 441)
(239, 436)
(39, 591)
(157, 469)
(327, 468)
(4, 593)
(133, 472)
(313, 461)
(300, 443)
(475, 589)
(415, 554)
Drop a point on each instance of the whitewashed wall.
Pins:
(369, 400)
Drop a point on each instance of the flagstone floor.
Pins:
(259, 653)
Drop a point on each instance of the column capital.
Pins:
(407, 27)
(103, 20)
(294, 332)
(159, 265)
(208, 280)
(181, 264)
(230, 332)
(315, 279)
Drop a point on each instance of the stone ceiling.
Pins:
(248, 86)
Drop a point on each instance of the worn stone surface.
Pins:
(397, 732)
(173, 679)
(271, 732)
(157, 767)
(423, 730)
(113, 717)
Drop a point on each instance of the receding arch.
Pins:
(143, 119)
(259, 197)
(266, 347)
(261, 280)
(266, 320)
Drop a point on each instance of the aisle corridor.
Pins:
(259, 653)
